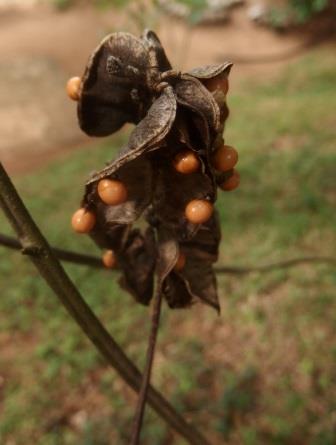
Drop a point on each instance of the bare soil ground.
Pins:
(40, 48)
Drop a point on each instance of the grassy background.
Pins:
(261, 373)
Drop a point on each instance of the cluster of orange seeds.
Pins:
(198, 211)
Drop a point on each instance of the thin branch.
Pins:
(51, 270)
(236, 270)
(61, 254)
(93, 261)
(140, 411)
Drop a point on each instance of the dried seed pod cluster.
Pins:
(168, 172)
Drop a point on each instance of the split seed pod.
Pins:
(130, 79)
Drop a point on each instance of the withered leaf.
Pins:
(204, 245)
(106, 99)
(201, 281)
(176, 292)
(137, 263)
(197, 279)
(173, 192)
(153, 43)
(211, 71)
(168, 252)
(191, 93)
(147, 135)
(108, 235)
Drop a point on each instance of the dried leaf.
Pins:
(211, 71)
(168, 251)
(153, 43)
(147, 135)
(192, 94)
(110, 98)
(201, 281)
(176, 292)
(173, 192)
(137, 263)
(205, 244)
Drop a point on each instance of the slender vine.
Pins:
(140, 411)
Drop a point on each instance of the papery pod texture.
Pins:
(129, 79)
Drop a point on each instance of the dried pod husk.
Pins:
(208, 72)
(156, 50)
(199, 101)
(147, 136)
(137, 262)
(197, 280)
(113, 89)
(212, 72)
(138, 177)
(174, 191)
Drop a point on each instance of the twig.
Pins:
(51, 270)
(90, 260)
(139, 414)
(236, 270)
(61, 254)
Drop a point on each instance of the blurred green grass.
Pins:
(263, 372)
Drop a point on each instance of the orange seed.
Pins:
(72, 87)
(83, 221)
(186, 162)
(109, 259)
(180, 263)
(198, 211)
(231, 183)
(224, 158)
(112, 191)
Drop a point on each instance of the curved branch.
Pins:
(45, 260)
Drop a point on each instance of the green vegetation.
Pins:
(297, 12)
(261, 373)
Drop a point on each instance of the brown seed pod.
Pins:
(73, 87)
(231, 183)
(186, 162)
(109, 259)
(198, 211)
(112, 192)
(130, 79)
(83, 221)
(224, 158)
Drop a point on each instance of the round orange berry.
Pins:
(217, 83)
(72, 88)
(224, 158)
(180, 263)
(83, 221)
(109, 259)
(112, 191)
(198, 211)
(231, 183)
(186, 162)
